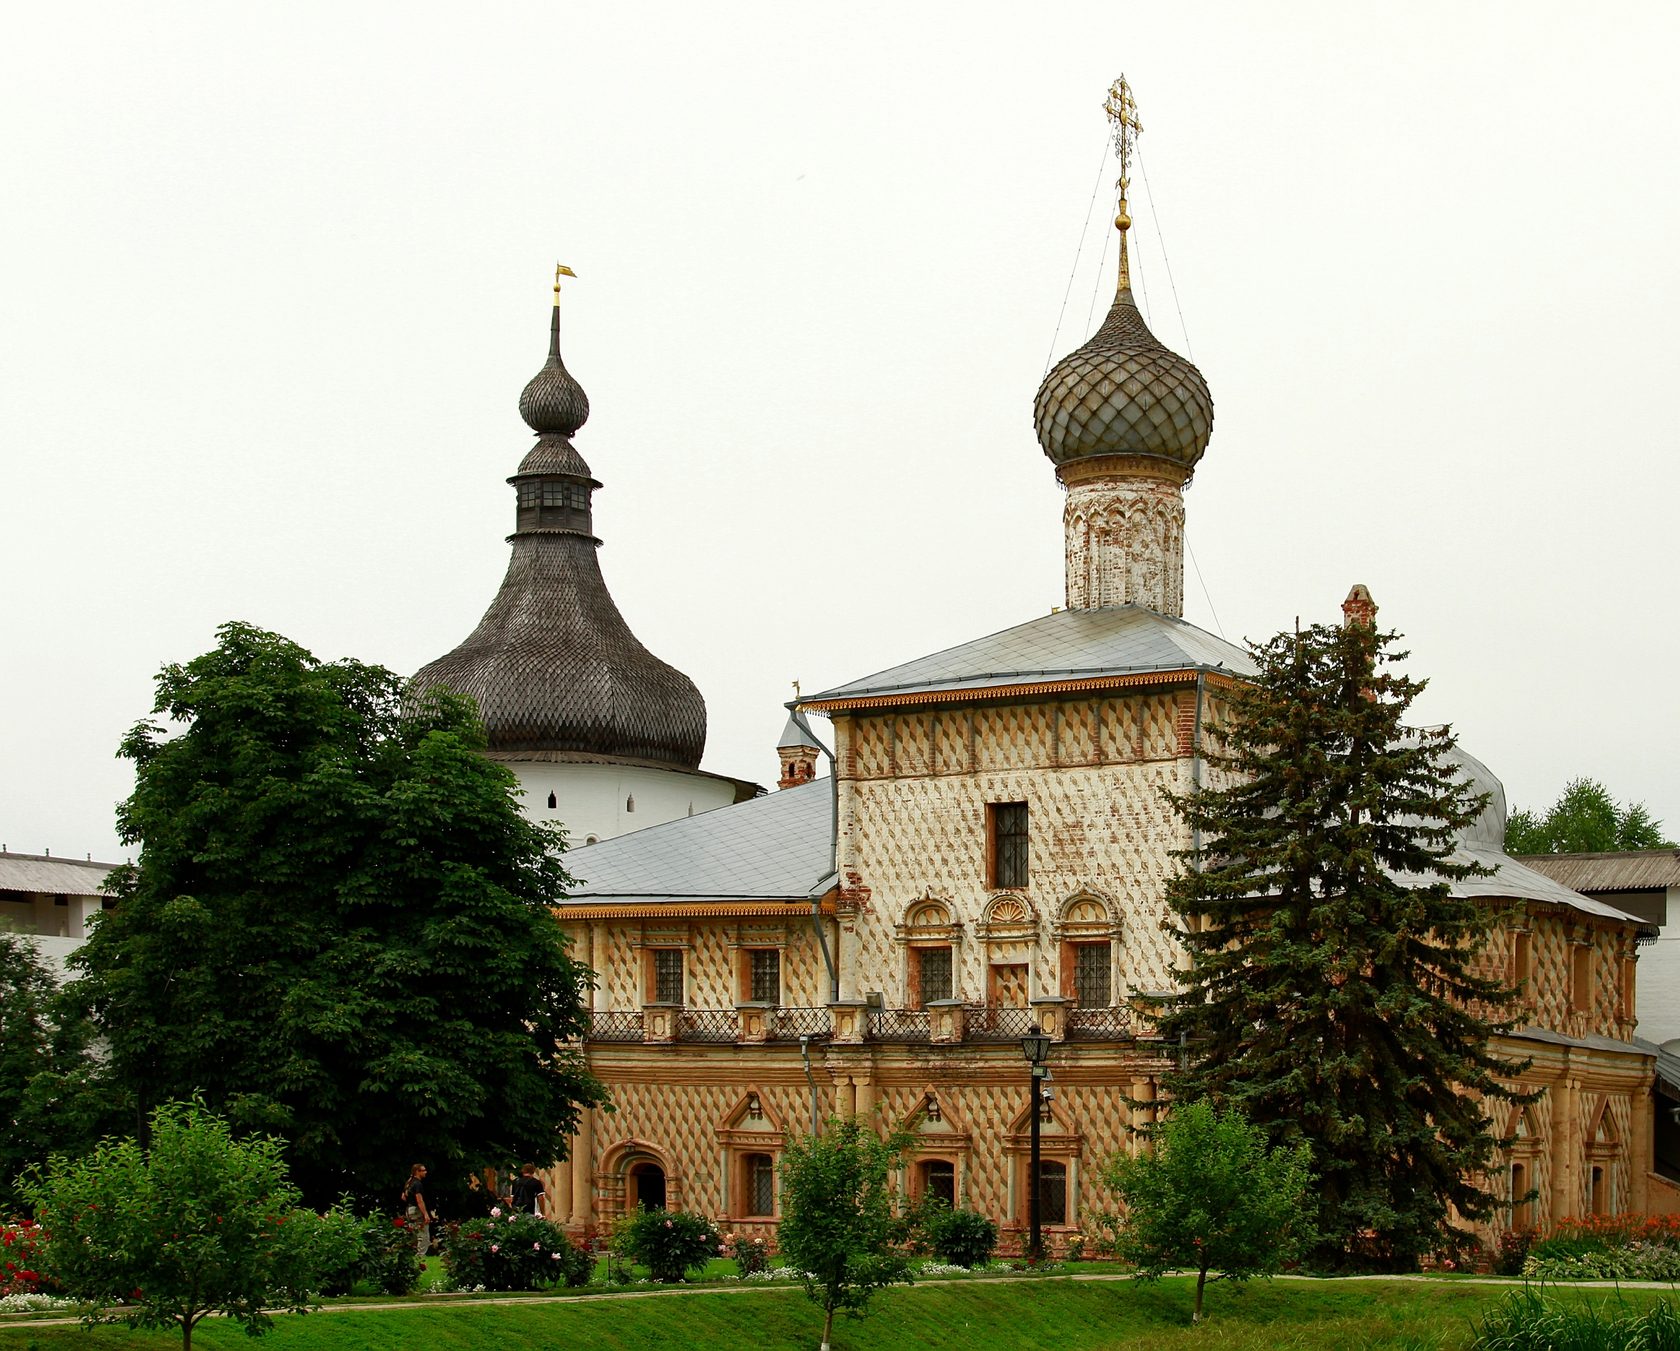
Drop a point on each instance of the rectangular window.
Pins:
(933, 974)
(529, 493)
(577, 496)
(761, 1185)
(1007, 826)
(764, 976)
(1522, 959)
(667, 976)
(1091, 967)
(1580, 978)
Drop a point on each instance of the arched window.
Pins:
(553, 801)
(1052, 1191)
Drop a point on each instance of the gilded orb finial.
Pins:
(1121, 108)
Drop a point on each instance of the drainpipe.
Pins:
(1196, 762)
(805, 1055)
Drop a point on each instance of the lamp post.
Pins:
(1036, 1048)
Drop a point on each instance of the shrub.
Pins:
(21, 1243)
(1513, 1252)
(512, 1251)
(671, 1243)
(1635, 1262)
(964, 1238)
(752, 1255)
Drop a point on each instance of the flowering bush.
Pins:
(385, 1257)
(512, 1251)
(1606, 1247)
(1074, 1248)
(1513, 1251)
(752, 1255)
(20, 1241)
(672, 1243)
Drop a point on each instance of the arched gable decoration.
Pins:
(616, 1190)
(1008, 915)
(928, 919)
(1602, 1134)
(1088, 915)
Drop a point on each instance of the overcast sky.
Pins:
(275, 276)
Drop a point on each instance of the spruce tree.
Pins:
(1332, 991)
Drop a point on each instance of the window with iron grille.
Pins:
(933, 974)
(761, 1184)
(1052, 1192)
(765, 981)
(939, 1178)
(1008, 823)
(667, 975)
(1091, 975)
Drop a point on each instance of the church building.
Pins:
(986, 860)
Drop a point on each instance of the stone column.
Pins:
(1566, 1148)
(583, 1170)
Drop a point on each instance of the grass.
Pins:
(1011, 1315)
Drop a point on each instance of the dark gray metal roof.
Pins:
(773, 848)
(1629, 870)
(1124, 393)
(1066, 645)
(797, 732)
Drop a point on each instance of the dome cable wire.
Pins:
(1084, 230)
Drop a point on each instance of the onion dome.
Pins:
(552, 665)
(552, 401)
(1124, 393)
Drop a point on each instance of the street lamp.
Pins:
(1036, 1048)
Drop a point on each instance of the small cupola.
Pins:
(798, 750)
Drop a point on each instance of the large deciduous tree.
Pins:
(1584, 820)
(339, 927)
(50, 1097)
(1331, 992)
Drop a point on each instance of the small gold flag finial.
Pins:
(560, 270)
(1121, 108)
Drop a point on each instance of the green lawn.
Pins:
(1024, 1313)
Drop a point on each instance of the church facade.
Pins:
(987, 859)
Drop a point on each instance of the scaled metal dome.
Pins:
(1123, 393)
(552, 665)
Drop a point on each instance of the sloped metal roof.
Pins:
(773, 848)
(1065, 645)
(52, 876)
(1631, 870)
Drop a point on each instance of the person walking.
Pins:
(416, 1211)
(529, 1194)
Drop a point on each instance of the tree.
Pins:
(47, 1092)
(1331, 992)
(1584, 820)
(198, 1223)
(1212, 1195)
(838, 1225)
(339, 929)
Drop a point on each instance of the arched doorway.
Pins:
(644, 1187)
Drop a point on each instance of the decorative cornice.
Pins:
(569, 910)
(1122, 466)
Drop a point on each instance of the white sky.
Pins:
(274, 277)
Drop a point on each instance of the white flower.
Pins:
(496, 1212)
